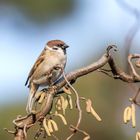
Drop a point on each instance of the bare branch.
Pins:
(120, 74)
(22, 124)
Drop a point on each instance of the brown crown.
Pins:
(55, 43)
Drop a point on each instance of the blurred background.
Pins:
(88, 27)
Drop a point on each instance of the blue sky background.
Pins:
(88, 29)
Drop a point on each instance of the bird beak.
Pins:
(65, 46)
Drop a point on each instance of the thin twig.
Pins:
(77, 104)
(82, 131)
(134, 99)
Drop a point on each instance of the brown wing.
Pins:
(37, 63)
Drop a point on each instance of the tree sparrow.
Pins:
(47, 69)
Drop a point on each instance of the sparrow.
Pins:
(47, 69)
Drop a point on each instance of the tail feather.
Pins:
(29, 103)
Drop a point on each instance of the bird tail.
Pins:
(29, 103)
(31, 99)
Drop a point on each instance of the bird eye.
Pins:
(60, 45)
(55, 48)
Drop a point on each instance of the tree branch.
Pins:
(22, 124)
(120, 74)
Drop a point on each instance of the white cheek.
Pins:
(60, 51)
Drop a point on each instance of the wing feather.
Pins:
(36, 64)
